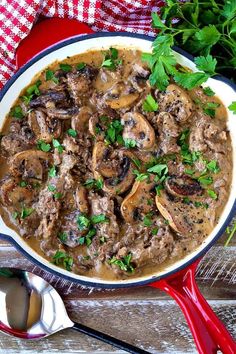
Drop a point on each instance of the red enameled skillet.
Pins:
(179, 282)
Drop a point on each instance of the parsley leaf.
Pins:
(62, 236)
(111, 60)
(190, 80)
(212, 194)
(123, 263)
(80, 66)
(62, 258)
(34, 89)
(56, 144)
(94, 183)
(41, 145)
(72, 132)
(113, 132)
(49, 75)
(208, 91)
(206, 64)
(232, 107)
(51, 188)
(129, 143)
(97, 219)
(231, 233)
(26, 212)
(17, 112)
(52, 172)
(150, 104)
(65, 67)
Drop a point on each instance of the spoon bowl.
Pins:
(30, 308)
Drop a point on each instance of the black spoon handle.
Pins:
(108, 339)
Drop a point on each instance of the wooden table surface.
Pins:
(143, 316)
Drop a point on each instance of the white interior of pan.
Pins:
(222, 90)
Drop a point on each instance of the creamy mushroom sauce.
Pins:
(99, 180)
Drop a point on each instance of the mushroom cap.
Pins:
(136, 201)
(12, 194)
(182, 186)
(27, 163)
(122, 101)
(80, 121)
(137, 128)
(114, 167)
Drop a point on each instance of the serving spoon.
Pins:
(30, 308)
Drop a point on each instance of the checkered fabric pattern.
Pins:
(18, 16)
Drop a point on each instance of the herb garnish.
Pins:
(232, 107)
(113, 132)
(123, 263)
(41, 145)
(62, 236)
(49, 75)
(72, 132)
(62, 258)
(23, 183)
(93, 183)
(212, 194)
(208, 91)
(26, 212)
(150, 104)
(65, 67)
(17, 112)
(129, 143)
(52, 172)
(57, 145)
(111, 60)
(231, 233)
(80, 66)
(210, 108)
(85, 222)
(147, 220)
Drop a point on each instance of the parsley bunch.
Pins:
(203, 28)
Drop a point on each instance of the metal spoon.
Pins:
(30, 308)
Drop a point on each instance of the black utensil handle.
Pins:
(108, 339)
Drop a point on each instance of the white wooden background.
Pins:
(144, 316)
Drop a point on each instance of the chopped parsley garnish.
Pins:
(212, 194)
(232, 107)
(158, 189)
(62, 236)
(33, 90)
(111, 60)
(129, 143)
(87, 239)
(17, 112)
(188, 157)
(113, 132)
(201, 205)
(205, 179)
(23, 183)
(49, 75)
(26, 212)
(57, 145)
(123, 263)
(51, 188)
(140, 176)
(150, 104)
(41, 145)
(147, 220)
(213, 166)
(65, 67)
(101, 218)
(210, 108)
(161, 170)
(94, 183)
(137, 162)
(189, 172)
(208, 91)
(80, 66)
(72, 132)
(83, 222)
(52, 172)
(63, 259)
(15, 215)
(154, 231)
(57, 195)
(186, 200)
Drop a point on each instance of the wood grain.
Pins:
(142, 316)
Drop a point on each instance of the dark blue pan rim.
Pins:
(113, 285)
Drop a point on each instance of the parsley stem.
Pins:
(232, 232)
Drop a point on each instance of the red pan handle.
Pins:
(46, 33)
(208, 331)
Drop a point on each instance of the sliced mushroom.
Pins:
(95, 127)
(81, 199)
(177, 102)
(48, 96)
(175, 213)
(29, 164)
(135, 205)
(114, 166)
(80, 121)
(43, 128)
(122, 101)
(182, 186)
(12, 194)
(62, 113)
(137, 128)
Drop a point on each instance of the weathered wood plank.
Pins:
(155, 325)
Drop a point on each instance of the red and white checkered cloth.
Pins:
(18, 16)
